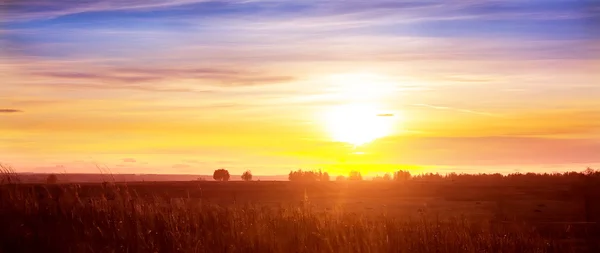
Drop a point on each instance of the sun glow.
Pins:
(362, 86)
(358, 124)
(360, 119)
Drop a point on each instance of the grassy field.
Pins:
(466, 214)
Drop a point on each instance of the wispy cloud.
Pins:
(10, 111)
(89, 76)
(39, 9)
(44, 9)
(134, 78)
(457, 110)
(192, 161)
(129, 160)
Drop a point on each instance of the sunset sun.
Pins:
(357, 124)
(360, 119)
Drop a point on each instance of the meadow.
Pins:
(456, 213)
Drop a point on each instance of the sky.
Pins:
(189, 86)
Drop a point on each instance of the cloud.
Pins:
(43, 9)
(10, 111)
(457, 110)
(155, 79)
(39, 9)
(129, 160)
(192, 161)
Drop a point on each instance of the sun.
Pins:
(358, 124)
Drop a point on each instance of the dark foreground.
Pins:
(443, 216)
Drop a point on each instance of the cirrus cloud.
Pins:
(10, 111)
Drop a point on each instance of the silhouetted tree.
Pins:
(247, 176)
(305, 176)
(591, 172)
(51, 179)
(387, 177)
(355, 176)
(309, 176)
(340, 178)
(402, 175)
(221, 175)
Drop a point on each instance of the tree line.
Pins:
(314, 176)
(403, 175)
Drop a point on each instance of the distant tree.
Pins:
(201, 179)
(221, 175)
(295, 175)
(355, 176)
(387, 177)
(305, 176)
(325, 177)
(432, 176)
(308, 176)
(340, 178)
(51, 179)
(402, 175)
(247, 176)
(590, 172)
(452, 175)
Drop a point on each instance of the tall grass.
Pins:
(55, 219)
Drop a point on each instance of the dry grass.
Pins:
(55, 219)
(113, 218)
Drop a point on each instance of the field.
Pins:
(552, 213)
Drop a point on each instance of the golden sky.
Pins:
(191, 86)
